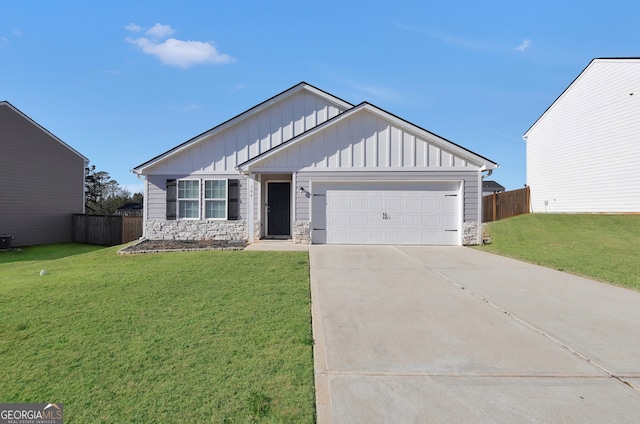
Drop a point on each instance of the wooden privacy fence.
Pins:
(505, 205)
(106, 230)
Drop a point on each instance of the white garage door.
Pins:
(386, 213)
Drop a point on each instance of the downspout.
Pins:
(84, 186)
(480, 203)
(145, 197)
(250, 203)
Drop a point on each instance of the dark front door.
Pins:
(279, 209)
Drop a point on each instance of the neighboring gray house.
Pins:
(308, 166)
(490, 187)
(583, 152)
(41, 181)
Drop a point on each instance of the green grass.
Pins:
(221, 336)
(603, 247)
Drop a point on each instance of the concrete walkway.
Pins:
(277, 246)
(451, 334)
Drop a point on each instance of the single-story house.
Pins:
(130, 209)
(583, 152)
(308, 166)
(490, 187)
(41, 181)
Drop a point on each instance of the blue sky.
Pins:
(122, 82)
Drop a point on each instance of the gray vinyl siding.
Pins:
(470, 179)
(156, 201)
(41, 182)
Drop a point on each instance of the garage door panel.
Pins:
(389, 213)
(410, 221)
(412, 205)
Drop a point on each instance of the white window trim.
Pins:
(197, 199)
(225, 199)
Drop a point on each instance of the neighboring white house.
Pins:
(583, 153)
(308, 166)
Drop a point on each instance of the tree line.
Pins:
(104, 195)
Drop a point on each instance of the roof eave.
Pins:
(594, 60)
(482, 162)
(46, 131)
(240, 117)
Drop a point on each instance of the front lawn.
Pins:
(222, 336)
(603, 247)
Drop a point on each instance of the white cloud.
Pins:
(372, 92)
(174, 52)
(378, 91)
(133, 28)
(17, 33)
(454, 40)
(181, 53)
(526, 43)
(159, 31)
(187, 108)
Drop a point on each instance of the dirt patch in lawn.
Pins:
(152, 246)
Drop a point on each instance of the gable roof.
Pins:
(491, 185)
(6, 104)
(241, 117)
(591, 64)
(467, 154)
(130, 206)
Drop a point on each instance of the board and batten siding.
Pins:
(583, 153)
(156, 192)
(41, 182)
(223, 151)
(362, 141)
(469, 178)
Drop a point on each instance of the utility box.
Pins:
(5, 241)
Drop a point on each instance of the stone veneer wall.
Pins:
(470, 234)
(237, 230)
(302, 232)
(196, 230)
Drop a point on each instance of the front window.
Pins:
(215, 199)
(189, 199)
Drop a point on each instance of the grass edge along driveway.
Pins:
(217, 336)
(601, 247)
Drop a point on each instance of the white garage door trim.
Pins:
(386, 212)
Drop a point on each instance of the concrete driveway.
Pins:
(451, 334)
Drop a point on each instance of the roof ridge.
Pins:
(299, 86)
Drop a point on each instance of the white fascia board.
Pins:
(482, 163)
(469, 156)
(591, 64)
(246, 166)
(239, 118)
(562, 95)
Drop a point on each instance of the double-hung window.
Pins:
(189, 199)
(215, 199)
(203, 199)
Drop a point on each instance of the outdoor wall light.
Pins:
(301, 190)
